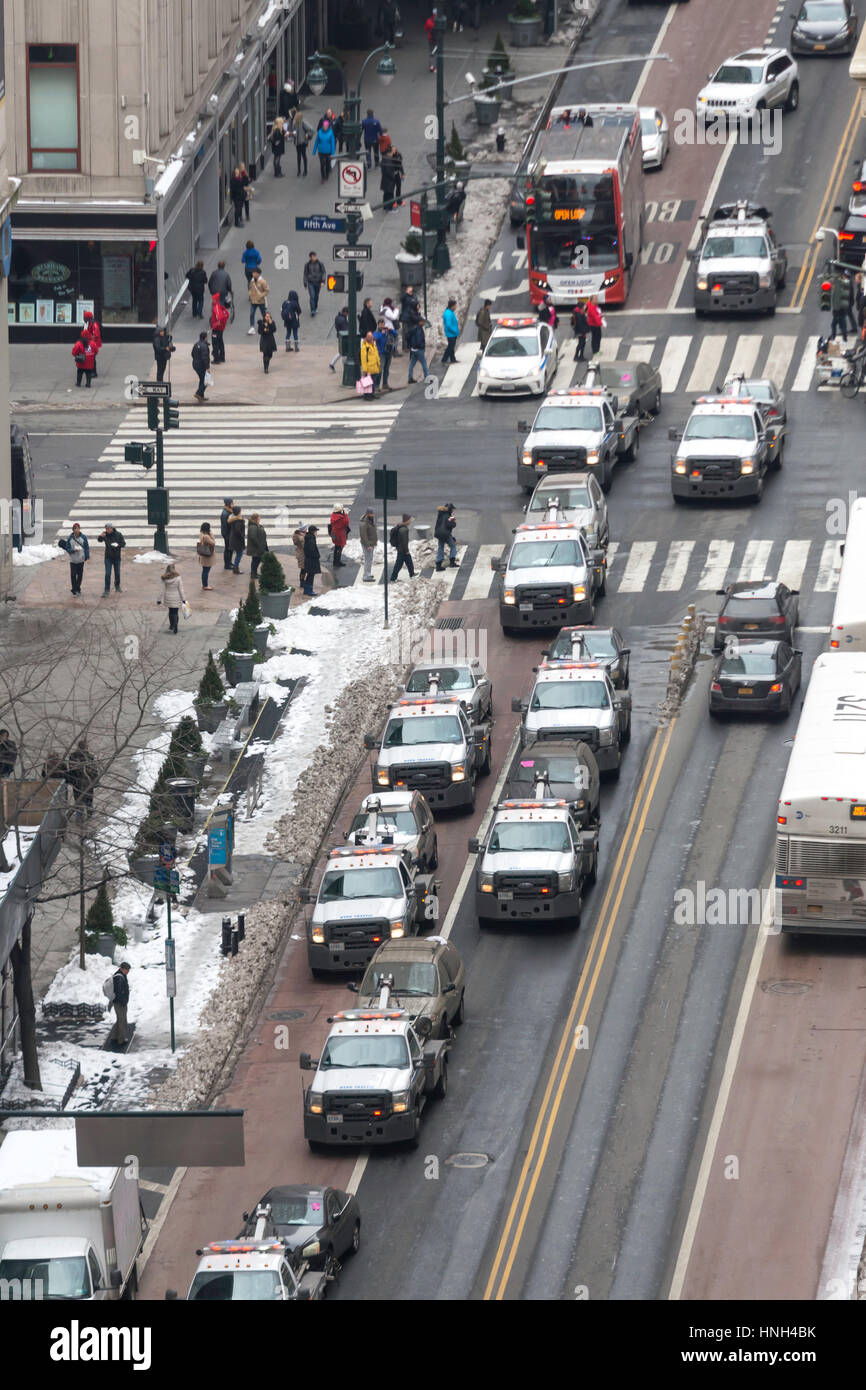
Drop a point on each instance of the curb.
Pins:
(683, 660)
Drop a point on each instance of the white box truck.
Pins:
(65, 1232)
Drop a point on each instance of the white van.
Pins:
(848, 628)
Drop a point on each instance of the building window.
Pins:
(52, 106)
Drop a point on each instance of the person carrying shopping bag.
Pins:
(172, 596)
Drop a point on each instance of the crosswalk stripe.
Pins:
(705, 371)
(779, 358)
(641, 350)
(637, 569)
(609, 349)
(714, 571)
(793, 563)
(481, 576)
(745, 355)
(674, 572)
(754, 566)
(828, 568)
(457, 375)
(806, 371)
(673, 360)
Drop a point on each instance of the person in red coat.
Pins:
(338, 530)
(84, 354)
(93, 334)
(219, 317)
(430, 31)
(595, 322)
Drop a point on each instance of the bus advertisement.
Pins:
(585, 205)
(821, 820)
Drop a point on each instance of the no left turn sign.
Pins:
(351, 177)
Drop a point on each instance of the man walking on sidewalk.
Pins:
(399, 538)
(452, 331)
(114, 543)
(259, 291)
(163, 347)
(237, 539)
(314, 275)
(369, 540)
(225, 531)
(417, 350)
(443, 532)
(219, 317)
(200, 364)
(78, 548)
(372, 129)
(119, 1035)
(341, 325)
(220, 283)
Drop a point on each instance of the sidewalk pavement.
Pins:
(45, 373)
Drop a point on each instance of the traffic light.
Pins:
(359, 279)
(152, 413)
(139, 453)
(157, 506)
(337, 283)
(826, 290)
(545, 204)
(170, 413)
(530, 209)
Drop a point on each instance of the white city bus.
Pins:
(821, 821)
(848, 628)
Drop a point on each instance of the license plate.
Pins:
(506, 388)
(745, 690)
(819, 47)
(338, 945)
(334, 1119)
(505, 896)
(526, 607)
(751, 627)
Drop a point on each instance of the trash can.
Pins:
(183, 791)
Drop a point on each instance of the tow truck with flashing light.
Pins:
(576, 700)
(368, 894)
(262, 1267)
(400, 818)
(373, 1079)
(535, 862)
(550, 577)
(739, 264)
(431, 744)
(582, 428)
(725, 450)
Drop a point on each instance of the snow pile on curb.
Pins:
(485, 207)
(35, 554)
(354, 706)
(152, 557)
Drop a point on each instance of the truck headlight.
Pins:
(397, 930)
(314, 1103)
(565, 882)
(765, 281)
(508, 596)
(319, 935)
(400, 1102)
(747, 466)
(606, 738)
(579, 592)
(527, 457)
(592, 456)
(680, 466)
(383, 776)
(458, 773)
(702, 284)
(485, 883)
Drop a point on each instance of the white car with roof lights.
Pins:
(520, 356)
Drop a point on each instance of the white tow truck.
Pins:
(434, 744)
(580, 429)
(373, 1079)
(263, 1267)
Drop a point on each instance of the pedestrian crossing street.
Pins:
(289, 463)
(686, 567)
(688, 362)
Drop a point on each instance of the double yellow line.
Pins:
(539, 1145)
(810, 263)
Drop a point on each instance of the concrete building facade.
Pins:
(126, 119)
(9, 187)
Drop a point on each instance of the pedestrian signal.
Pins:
(337, 283)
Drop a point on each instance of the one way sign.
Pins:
(353, 253)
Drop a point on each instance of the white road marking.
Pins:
(705, 373)
(779, 359)
(673, 360)
(754, 566)
(828, 569)
(637, 569)
(745, 355)
(714, 571)
(482, 576)
(793, 563)
(806, 370)
(457, 375)
(674, 572)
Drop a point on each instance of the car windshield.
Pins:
(513, 345)
(568, 417)
(749, 664)
(365, 1050)
(416, 977)
(57, 1278)
(432, 728)
(569, 498)
(450, 678)
(511, 837)
(339, 885)
(758, 390)
(534, 555)
(751, 608)
(648, 125)
(717, 248)
(592, 644)
(823, 10)
(235, 1286)
(741, 74)
(387, 823)
(720, 427)
(558, 770)
(296, 1211)
(570, 695)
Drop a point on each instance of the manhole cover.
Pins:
(468, 1160)
(337, 612)
(287, 1015)
(786, 986)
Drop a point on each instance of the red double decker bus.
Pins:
(585, 205)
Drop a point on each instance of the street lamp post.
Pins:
(317, 80)
(441, 257)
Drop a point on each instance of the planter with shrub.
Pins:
(275, 594)
(210, 703)
(186, 743)
(525, 24)
(410, 261)
(238, 656)
(101, 934)
(456, 161)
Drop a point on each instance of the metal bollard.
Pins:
(234, 941)
(241, 931)
(500, 139)
(226, 943)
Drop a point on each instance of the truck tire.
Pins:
(626, 733)
(633, 449)
(578, 910)
(316, 1147)
(434, 859)
(471, 805)
(485, 766)
(793, 100)
(460, 1015)
(592, 876)
(440, 1090)
(779, 459)
(356, 1239)
(607, 476)
(415, 1138)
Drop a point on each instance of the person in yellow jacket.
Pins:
(371, 364)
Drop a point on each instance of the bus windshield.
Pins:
(554, 248)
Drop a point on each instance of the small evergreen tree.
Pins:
(100, 917)
(272, 580)
(186, 739)
(241, 636)
(252, 609)
(454, 148)
(498, 59)
(211, 689)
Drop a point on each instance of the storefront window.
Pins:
(52, 106)
(53, 282)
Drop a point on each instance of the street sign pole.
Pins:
(441, 258)
(171, 996)
(385, 489)
(352, 361)
(424, 250)
(160, 539)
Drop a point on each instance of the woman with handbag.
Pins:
(173, 595)
(248, 189)
(371, 367)
(267, 339)
(205, 548)
(257, 542)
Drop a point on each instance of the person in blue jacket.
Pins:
(372, 128)
(252, 259)
(452, 331)
(325, 147)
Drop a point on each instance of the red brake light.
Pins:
(857, 187)
(777, 618)
(844, 236)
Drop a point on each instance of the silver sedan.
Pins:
(654, 137)
(468, 679)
